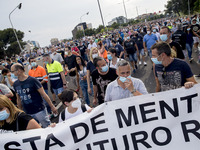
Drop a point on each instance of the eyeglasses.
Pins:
(13, 71)
(164, 73)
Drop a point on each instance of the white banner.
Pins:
(160, 121)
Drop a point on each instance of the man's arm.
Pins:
(19, 103)
(95, 95)
(63, 79)
(190, 82)
(157, 85)
(47, 99)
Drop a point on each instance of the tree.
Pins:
(99, 29)
(115, 25)
(89, 32)
(8, 42)
(79, 34)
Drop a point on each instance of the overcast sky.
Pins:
(48, 19)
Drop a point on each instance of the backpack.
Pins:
(63, 112)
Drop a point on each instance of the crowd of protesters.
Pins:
(102, 67)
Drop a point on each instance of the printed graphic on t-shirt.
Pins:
(169, 80)
(102, 85)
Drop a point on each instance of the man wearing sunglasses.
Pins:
(170, 73)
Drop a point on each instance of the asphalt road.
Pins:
(145, 73)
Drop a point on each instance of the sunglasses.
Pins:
(164, 73)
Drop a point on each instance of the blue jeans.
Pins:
(133, 57)
(46, 104)
(149, 53)
(84, 87)
(189, 49)
(58, 91)
(42, 117)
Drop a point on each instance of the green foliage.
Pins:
(8, 42)
(98, 30)
(79, 34)
(115, 25)
(197, 6)
(89, 32)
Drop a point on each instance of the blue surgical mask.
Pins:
(128, 38)
(163, 37)
(154, 30)
(104, 68)
(123, 79)
(33, 64)
(109, 57)
(13, 76)
(4, 115)
(46, 62)
(155, 60)
(188, 29)
(3, 64)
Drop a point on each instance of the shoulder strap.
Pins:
(63, 115)
(17, 124)
(83, 108)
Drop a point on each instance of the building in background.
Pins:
(54, 41)
(80, 26)
(36, 44)
(119, 20)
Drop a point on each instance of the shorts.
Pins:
(196, 39)
(58, 91)
(141, 52)
(132, 57)
(149, 53)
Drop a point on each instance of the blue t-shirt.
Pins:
(173, 76)
(150, 40)
(31, 99)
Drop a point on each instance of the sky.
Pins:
(48, 19)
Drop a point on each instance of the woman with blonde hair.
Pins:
(90, 67)
(13, 119)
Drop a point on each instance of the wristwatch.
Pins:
(134, 90)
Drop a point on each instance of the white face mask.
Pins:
(94, 56)
(66, 53)
(76, 103)
(148, 32)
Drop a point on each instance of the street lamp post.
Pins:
(125, 9)
(101, 13)
(19, 7)
(81, 22)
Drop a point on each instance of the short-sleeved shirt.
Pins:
(82, 49)
(30, 97)
(57, 57)
(139, 41)
(119, 49)
(101, 81)
(180, 37)
(91, 67)
(4, 89)
(40, 74)
(173, 76)
(54, 70)
(114, 91)
(150, 40)
(195, 28)
(129, 46)
(70, 61)
(70, 115)
(23, 120)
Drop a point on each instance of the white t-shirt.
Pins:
(114, 66)
(57, 57)
(70, 115)
(92, 45)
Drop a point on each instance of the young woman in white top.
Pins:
(112, 57)
(73, 105)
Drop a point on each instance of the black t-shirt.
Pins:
(101, 81)
(71, 63)
(82, 49)
(62, 53)
(139, 41)
(91, 67)
(180, 37)
(195, 28)
(23, 120)
(120, 41)
(179, 51)
(129, 46)
(119, 49)
(173, 76)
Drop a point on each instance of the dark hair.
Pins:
(113, 50)
(46, 55)
(165, 27)
(82, 63)
(5, 70)
(95, 61)
(30, 58)
(100, 43)
(162, 47)
(19, 67)
(113, 41)
(8, 59)
(67, 95)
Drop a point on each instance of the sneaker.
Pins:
(140, 62)
(145, 64)
(190, 60)
(197, 76)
